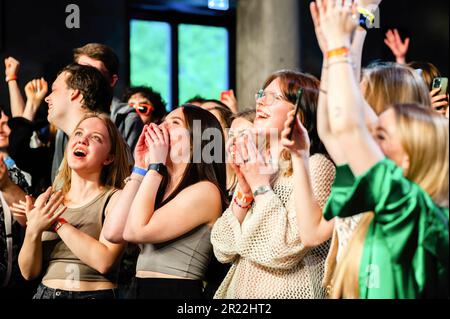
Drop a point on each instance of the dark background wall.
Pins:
(425, 22)
(36, 34)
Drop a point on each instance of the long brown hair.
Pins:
(112, 175)
(290, 82)
(214, 172)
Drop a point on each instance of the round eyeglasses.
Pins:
(269, 97)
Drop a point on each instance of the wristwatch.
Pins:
(261, 190)
(160, 168)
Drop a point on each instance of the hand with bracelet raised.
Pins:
(11, 69)
(337, 23)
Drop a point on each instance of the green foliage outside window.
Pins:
(202, 58)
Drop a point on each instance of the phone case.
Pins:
(441, 83)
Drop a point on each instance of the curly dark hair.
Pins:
(93, 86)
(154, 97)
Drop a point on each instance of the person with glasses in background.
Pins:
(148, 103)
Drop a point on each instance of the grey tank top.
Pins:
(62, 263)
(187, 256)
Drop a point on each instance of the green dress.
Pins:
(406, 251)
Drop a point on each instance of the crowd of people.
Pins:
(328, 188)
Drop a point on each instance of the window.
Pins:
(150, 56)
(203, 61)
(182, 55)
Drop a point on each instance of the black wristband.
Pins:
(160, 168)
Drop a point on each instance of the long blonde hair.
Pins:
(112, 175)
(424, 135)
(389, 83)
(345, 280)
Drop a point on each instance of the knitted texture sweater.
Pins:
(268, 259)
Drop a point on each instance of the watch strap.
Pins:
(261, 190)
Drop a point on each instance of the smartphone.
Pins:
(298, 103)
(440, 83)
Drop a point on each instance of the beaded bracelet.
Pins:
(241, 206)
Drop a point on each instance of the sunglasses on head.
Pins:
(142, 108)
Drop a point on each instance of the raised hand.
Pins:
(141, 154)
(157, 140)
(45, 211)
(300, 143)
(36, 90)
(319, 35)
(398, 47)
(439, 102)
(230, 101)
(371, 5)
(11, 68)
(337, 23)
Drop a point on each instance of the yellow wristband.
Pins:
(369, 15)
(344, 51)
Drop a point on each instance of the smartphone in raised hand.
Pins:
(298, 104)
(440, 83)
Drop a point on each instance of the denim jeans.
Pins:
(44, 292)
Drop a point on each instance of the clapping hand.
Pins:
(45, 211)
(254, 164)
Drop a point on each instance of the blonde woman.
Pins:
(387, 83)
(64, 240)
(258, 233)
(401, 249)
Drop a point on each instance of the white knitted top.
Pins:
(269, 260)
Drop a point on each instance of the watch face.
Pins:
(160, 168)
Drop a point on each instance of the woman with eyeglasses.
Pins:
(148, 104)
(258, 233)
